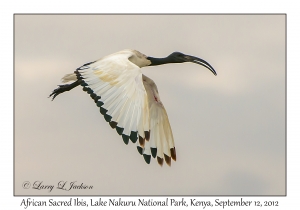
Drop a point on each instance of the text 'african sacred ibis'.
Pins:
(129, 101)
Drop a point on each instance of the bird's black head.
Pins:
(178, 57)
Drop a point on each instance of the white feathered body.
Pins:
(129, 101)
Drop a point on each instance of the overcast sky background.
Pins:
(229, 130)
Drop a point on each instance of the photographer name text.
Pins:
(61, 185)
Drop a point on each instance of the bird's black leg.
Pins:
(63, 88)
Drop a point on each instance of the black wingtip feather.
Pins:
(147, 135)
(102, 110)
(133, 136)
(119, 130)
(107, 117)
(93, 95)
(97, 98)
(125, 138)
(113, 124)
(88, 63)
(153, 152)
(173, 153)
(79, 77)
(140, 149)
(99, 103)
(141, 141)
(147, 158)
(167, 159)
(160, 161)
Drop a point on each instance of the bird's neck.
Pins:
(159, 61)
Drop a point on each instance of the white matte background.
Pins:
(229, 130)
(9, 7)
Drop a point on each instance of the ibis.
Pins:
(129, 100)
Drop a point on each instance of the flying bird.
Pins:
(129, 100)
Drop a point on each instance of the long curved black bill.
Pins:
(200, 61)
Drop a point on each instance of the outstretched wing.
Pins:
(116, 85)
(161, 141)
